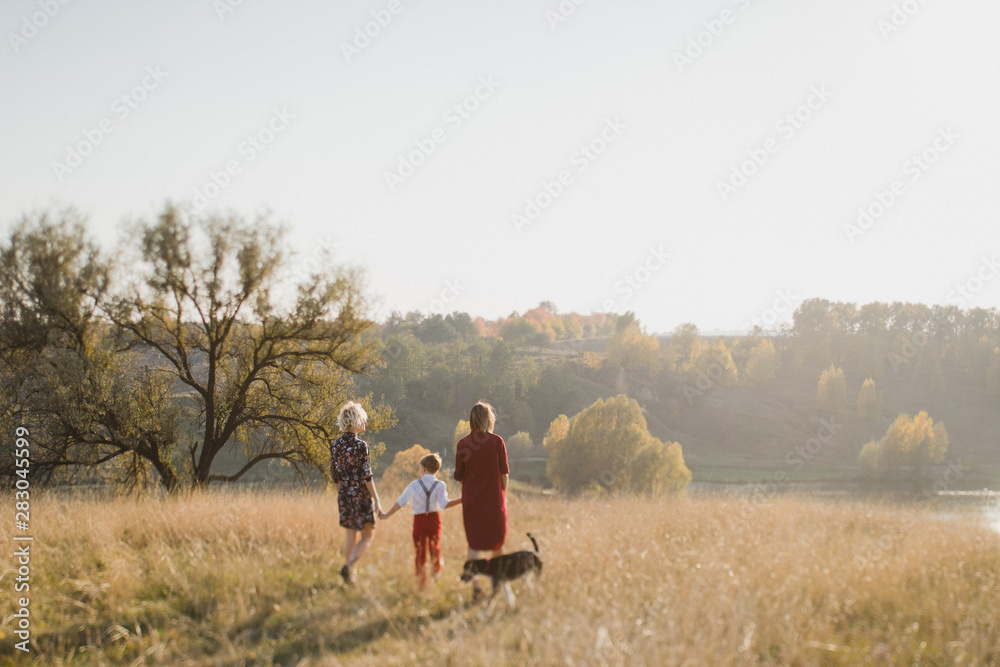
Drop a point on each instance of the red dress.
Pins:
(480, 460)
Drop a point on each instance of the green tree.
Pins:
(683, 337)
(605, 446)
(402, 363)
(762, 364)
(87, 401)
(519, 445)
(157, 375)
(266, 376)
(869, 402)
(519, 332)
(831, 391)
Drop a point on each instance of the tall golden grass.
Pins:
(239, 578)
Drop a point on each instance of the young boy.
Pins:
(429, 496)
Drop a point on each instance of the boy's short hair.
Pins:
(431, 463)
(483, 417)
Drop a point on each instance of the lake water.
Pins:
(948, 504)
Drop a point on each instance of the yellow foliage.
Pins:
(869, 402)
(831, 391)
(608, 446)
(911, 442)
(762, 365)
(404, 469)
(462, 429)
(636, 353)
(713, 362)
(558, 430)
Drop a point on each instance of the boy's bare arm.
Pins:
(395, 508)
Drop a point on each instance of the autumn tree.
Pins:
(635, 353)
(762, 364)
(405, 468)
(659, 469)
(462, 429)
(558, 431)
(869, 402)
(831, 391)
(608, 446)
(710, 364)
(909, 443)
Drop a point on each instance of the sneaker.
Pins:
(345, 572)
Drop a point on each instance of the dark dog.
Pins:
(505, 567)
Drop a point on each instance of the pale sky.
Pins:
(827, 107)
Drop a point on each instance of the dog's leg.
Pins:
(511, 600)
(488, 609)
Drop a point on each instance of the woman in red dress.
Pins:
(481, 467)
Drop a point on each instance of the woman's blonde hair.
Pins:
(351, 417)
(483, 417)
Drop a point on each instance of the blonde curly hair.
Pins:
(352, 416)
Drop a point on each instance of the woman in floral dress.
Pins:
(351, 471)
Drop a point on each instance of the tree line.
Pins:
(143, 363)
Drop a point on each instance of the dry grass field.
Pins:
(238, 578)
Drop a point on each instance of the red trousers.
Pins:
(427, 537)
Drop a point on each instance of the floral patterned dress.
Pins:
(350, 468)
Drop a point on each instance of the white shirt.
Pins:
(439, 496)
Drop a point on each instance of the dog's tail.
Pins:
(530, 537)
